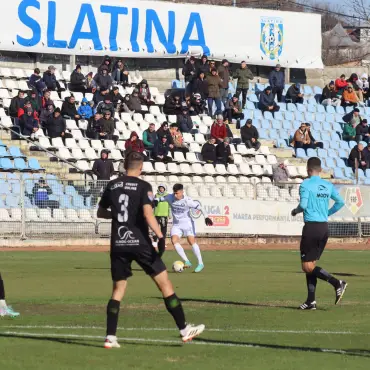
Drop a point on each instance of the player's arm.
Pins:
(198, 207)
(303, 200)
(338, 202)
(151, 220)
(160, 199)
(104, 204)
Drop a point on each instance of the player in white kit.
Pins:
(183, 224)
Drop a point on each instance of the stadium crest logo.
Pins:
(125, 234)
(354, 200)
(194, 213)
(272, 37)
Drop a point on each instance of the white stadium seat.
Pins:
(209, 169)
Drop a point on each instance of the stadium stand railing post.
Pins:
(23, 210)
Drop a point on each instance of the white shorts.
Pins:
(183, 230)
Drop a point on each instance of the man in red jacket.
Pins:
(218, 129)
(134, 144)
(341, 84)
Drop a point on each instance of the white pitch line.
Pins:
(77, 327)
(166, 341)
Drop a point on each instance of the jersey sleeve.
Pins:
(338, 201)
(147, 195)
(194, 204)
(105, 201)
(304, 194)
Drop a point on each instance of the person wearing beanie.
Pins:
(189, 71)
(224, 73)
(69, 110)
(36, 82)
(214, 86)
(161, 213)
(267, 101)
(103, 80)
(29, 125)
(56, 125)
(243, 75)
(16, 103)
(199, 85)
(209, 151)
(294, 94)
(353, 118)
(78, 80)
(250, 135)
(223, 152)
(330, 96)
(362, 132)
(184, 121)
(46, 112)
(218, 129)
(277, 82)
(203, 65)
(233, 110)
(50, 79)
(120, 73)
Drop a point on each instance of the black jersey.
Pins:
(126, 196)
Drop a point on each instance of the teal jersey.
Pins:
(315, 194)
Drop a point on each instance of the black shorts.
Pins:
(144, 255)
(314, 238)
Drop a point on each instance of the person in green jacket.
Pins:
(349, 132)
(243, 74)
(161, 213)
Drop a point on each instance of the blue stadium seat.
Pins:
(367, 112)
(291, 107)
(362, 110)
(361, 174)
(343, 153)
(78, 202)
(12, 201)
(4, 188)
(311, 108)
(250, 105)
(6, 164)
(332, 153)
(279, 116)
(281, 143)
(274, 134)
(330, 109)
(268, 115)
(70, 190)
(277, 125)
(317, 90)
(317, 125)
(326, 126)
(65, 201)
(289, 116)
(265, 124)
(340, 162)
(34, 164)
(340, 110)
(253, 98)
(337, 127)
(338, 118)
(338, 173)
(247, 114)
(352, 144)
(367, 173)
(256, 123)
(344, 145)
(15, 152)
(2, 144)
(2, 204)
(311, 152)
(301, 108)
(20, 164)
(309, 116)
(257, 114)
(307, 90)
(320, 108)
(330, 118)
(330, 163)
(320, 117)
(325, 136)
(287, 125)
(299, 116)
(16, 188)
(300, 153)
(176, 84)
(263, 134)
(296, 125)
(316, 135)
(348, 172)
(259, 87)
(283, 134)
(282, 106)
(322, 153)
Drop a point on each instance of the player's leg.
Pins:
(162, 242)
(5, 310)
(176, 234)
(196, 251)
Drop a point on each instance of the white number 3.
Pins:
(123, 201)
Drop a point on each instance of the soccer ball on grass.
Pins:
(178, 266)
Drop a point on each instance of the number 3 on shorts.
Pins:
(123, 201)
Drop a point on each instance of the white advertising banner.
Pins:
(131, 28)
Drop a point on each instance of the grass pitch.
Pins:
(247, 300)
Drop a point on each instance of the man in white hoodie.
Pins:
(363, 84)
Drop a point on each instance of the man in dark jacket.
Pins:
(161, 149)
(103, 81)
(134, 104)
(204, 65)
(233, 110)
(16, 103)
(56, 125)
(329, 95)
(120, 73)
(78, 80)
(34, 99)
(36, 82)
(357, 154)
(224, 73)
(209, 151)
(50, 79)
(243, 74)
(362, 131)
(200, 85)
(106, 105)
(294, 94)
(214, 85)
(94, 126)
(172, 105)
(103, 169)
(277, 82)
(29, 125)
(223, 152)
(250, 135)
(366, 154)
(116, 98)
(40, 193)
(353, 117)
(107, 126)
(189, 70)
(149, 137)
(69, 110)
(184, 121)
(267, 102)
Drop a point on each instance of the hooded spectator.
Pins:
(357, 155)
(224, 73)
(106, 64)
(204, 65)
(209, 151)
(330, 96)
(218, 129)
(223, 152)
(118, 100)
(35, 82)
(56, 125)
(94, 126)
(189, 70)
(78, 80)
(149, 137)
(197, 105)
(16, 103)
(161, 149)
(200, 85)
(280, 173)
(29, 125)
(349, 132)
(106, 105)
(85, 111)
(23, 110)
(250, 135)
(40, 193)
(349, 97)
(233, 110)
(353, 117)
(99, 96)
(134, 103)
(302, 138)
(34, 100)
(134, 144)
(120, 73)
(69, 110)
(103, 168)
(144, 93)
(294, 94)
(165, 131)
(362, 132)
(214, 85)
(172, 105)
(267, 102)
(90, 84)
(47, 112)
(177, 139)
(103, 81)
(363, 84)
(353, 80)
(184, 121)
(50, 79)
(277, 82)
(341, 84)
(107, 126)
(243, 74)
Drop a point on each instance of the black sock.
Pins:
(311, 287)
(324, 275)
(112, 316)
(2, 289)
(161, 246)
(174, 307)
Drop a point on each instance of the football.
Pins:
(178, 266)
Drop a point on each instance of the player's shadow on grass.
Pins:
(344, 274)
(349, 352)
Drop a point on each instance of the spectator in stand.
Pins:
(103, 80)
(107, 127)
(209, 151)
(144, 93)
(214, 85)
(85, 111)
(197, 105)
(349, 97)
(177, 140)
(267, 102)
(363, 84)
(294, 94)
(353, 80)
(69, 110)
(223, 152)
(280, 173)
(41, 192)
(243, 74)
(189, 71)
(349, 132)
(366, 154)
(161, 149)
(78, 80)
(90, 84)
(357, 154)
(362, 132)
(302, 138)
(149, 137)
(56, 125)
(50, 79)
(16, 103)
(314, 144)
(250, 135)
(106, 105)
(34, 100)
(35, 82)
(165, 131)
(341, 84)
(204, 65)
(94, 126)
(172, 105)
(106, 64)
(184, 121)
(120, 73)
(353, 117)
(45, 99)
(277, 82)
(134, 144)
(92, 106)
(233, 110)
(23, 110)
(99, 96)
(134, 103)
(330, 96)
(29, 125)
(200, 85)
(224, 73)
(118, 100)
(218, 129)
(46, 112)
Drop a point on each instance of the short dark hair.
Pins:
(178, 187)
(133, 161)
(37, 71)
(314, 164)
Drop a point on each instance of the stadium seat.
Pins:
(300, 153)
(185, 168)
(173, 168)
(179, 157)
(160, 167)
(198, 169)
(77, 154)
